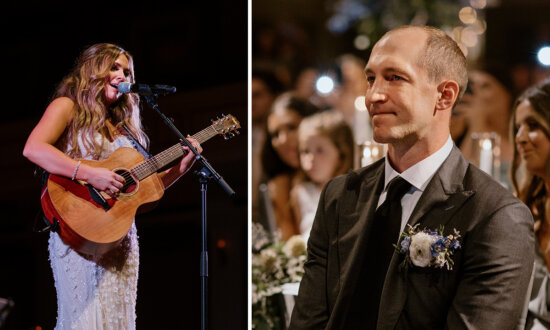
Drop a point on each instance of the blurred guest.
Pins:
(486, 109)
(306, 87)
(349, 84)
(531, 167)
(280, 160)
(353, 85)
(265, 88)
(326, 150)
(305, 83)
(459, 124)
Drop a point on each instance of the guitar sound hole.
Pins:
(130, 184)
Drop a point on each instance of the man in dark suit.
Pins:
(352, 277)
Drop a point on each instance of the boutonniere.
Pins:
(427, 248)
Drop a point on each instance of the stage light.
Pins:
(324, 84)
(543, 55)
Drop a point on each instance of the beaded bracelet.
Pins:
(76, 170)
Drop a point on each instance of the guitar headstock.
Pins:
(227, 126)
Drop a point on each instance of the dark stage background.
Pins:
(199, 47)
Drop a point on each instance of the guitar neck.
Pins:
(153, 164)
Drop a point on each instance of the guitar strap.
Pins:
(126, 132)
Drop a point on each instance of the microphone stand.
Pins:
(204, 175)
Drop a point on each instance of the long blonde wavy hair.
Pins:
(85, 86)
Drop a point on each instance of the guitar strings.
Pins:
(145, 168)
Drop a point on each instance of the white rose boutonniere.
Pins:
(427, 248)
(420, 249)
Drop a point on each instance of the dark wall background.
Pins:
(199, 47)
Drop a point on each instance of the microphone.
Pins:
(126, 87)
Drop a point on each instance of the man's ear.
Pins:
(448, 93)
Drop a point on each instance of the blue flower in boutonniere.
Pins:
(427, 248)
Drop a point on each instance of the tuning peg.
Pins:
(225, 137)
(237, 132)
(212, 120)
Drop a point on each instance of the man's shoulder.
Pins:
(457, 171)
(478, 178)
(355, 178)
(486, 187)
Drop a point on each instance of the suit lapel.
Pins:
(443, 196)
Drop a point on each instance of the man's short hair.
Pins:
(442, 57)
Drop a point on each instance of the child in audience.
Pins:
(326, 145)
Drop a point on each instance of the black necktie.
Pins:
(387, 220)
(384, 232)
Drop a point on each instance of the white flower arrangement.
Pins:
(273, 265)
(427, 248)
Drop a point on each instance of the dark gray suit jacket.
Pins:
(484, 290)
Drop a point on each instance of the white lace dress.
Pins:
(96, 292)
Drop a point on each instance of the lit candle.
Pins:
(367, 156)
(486, 156)
(375, 152)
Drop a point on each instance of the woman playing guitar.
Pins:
(84, 121)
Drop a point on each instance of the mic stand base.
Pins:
(204, 175)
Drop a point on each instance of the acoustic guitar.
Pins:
(89, 220)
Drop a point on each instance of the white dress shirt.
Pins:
(418, 175)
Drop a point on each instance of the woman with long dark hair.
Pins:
(531, 181)
(280, 157)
